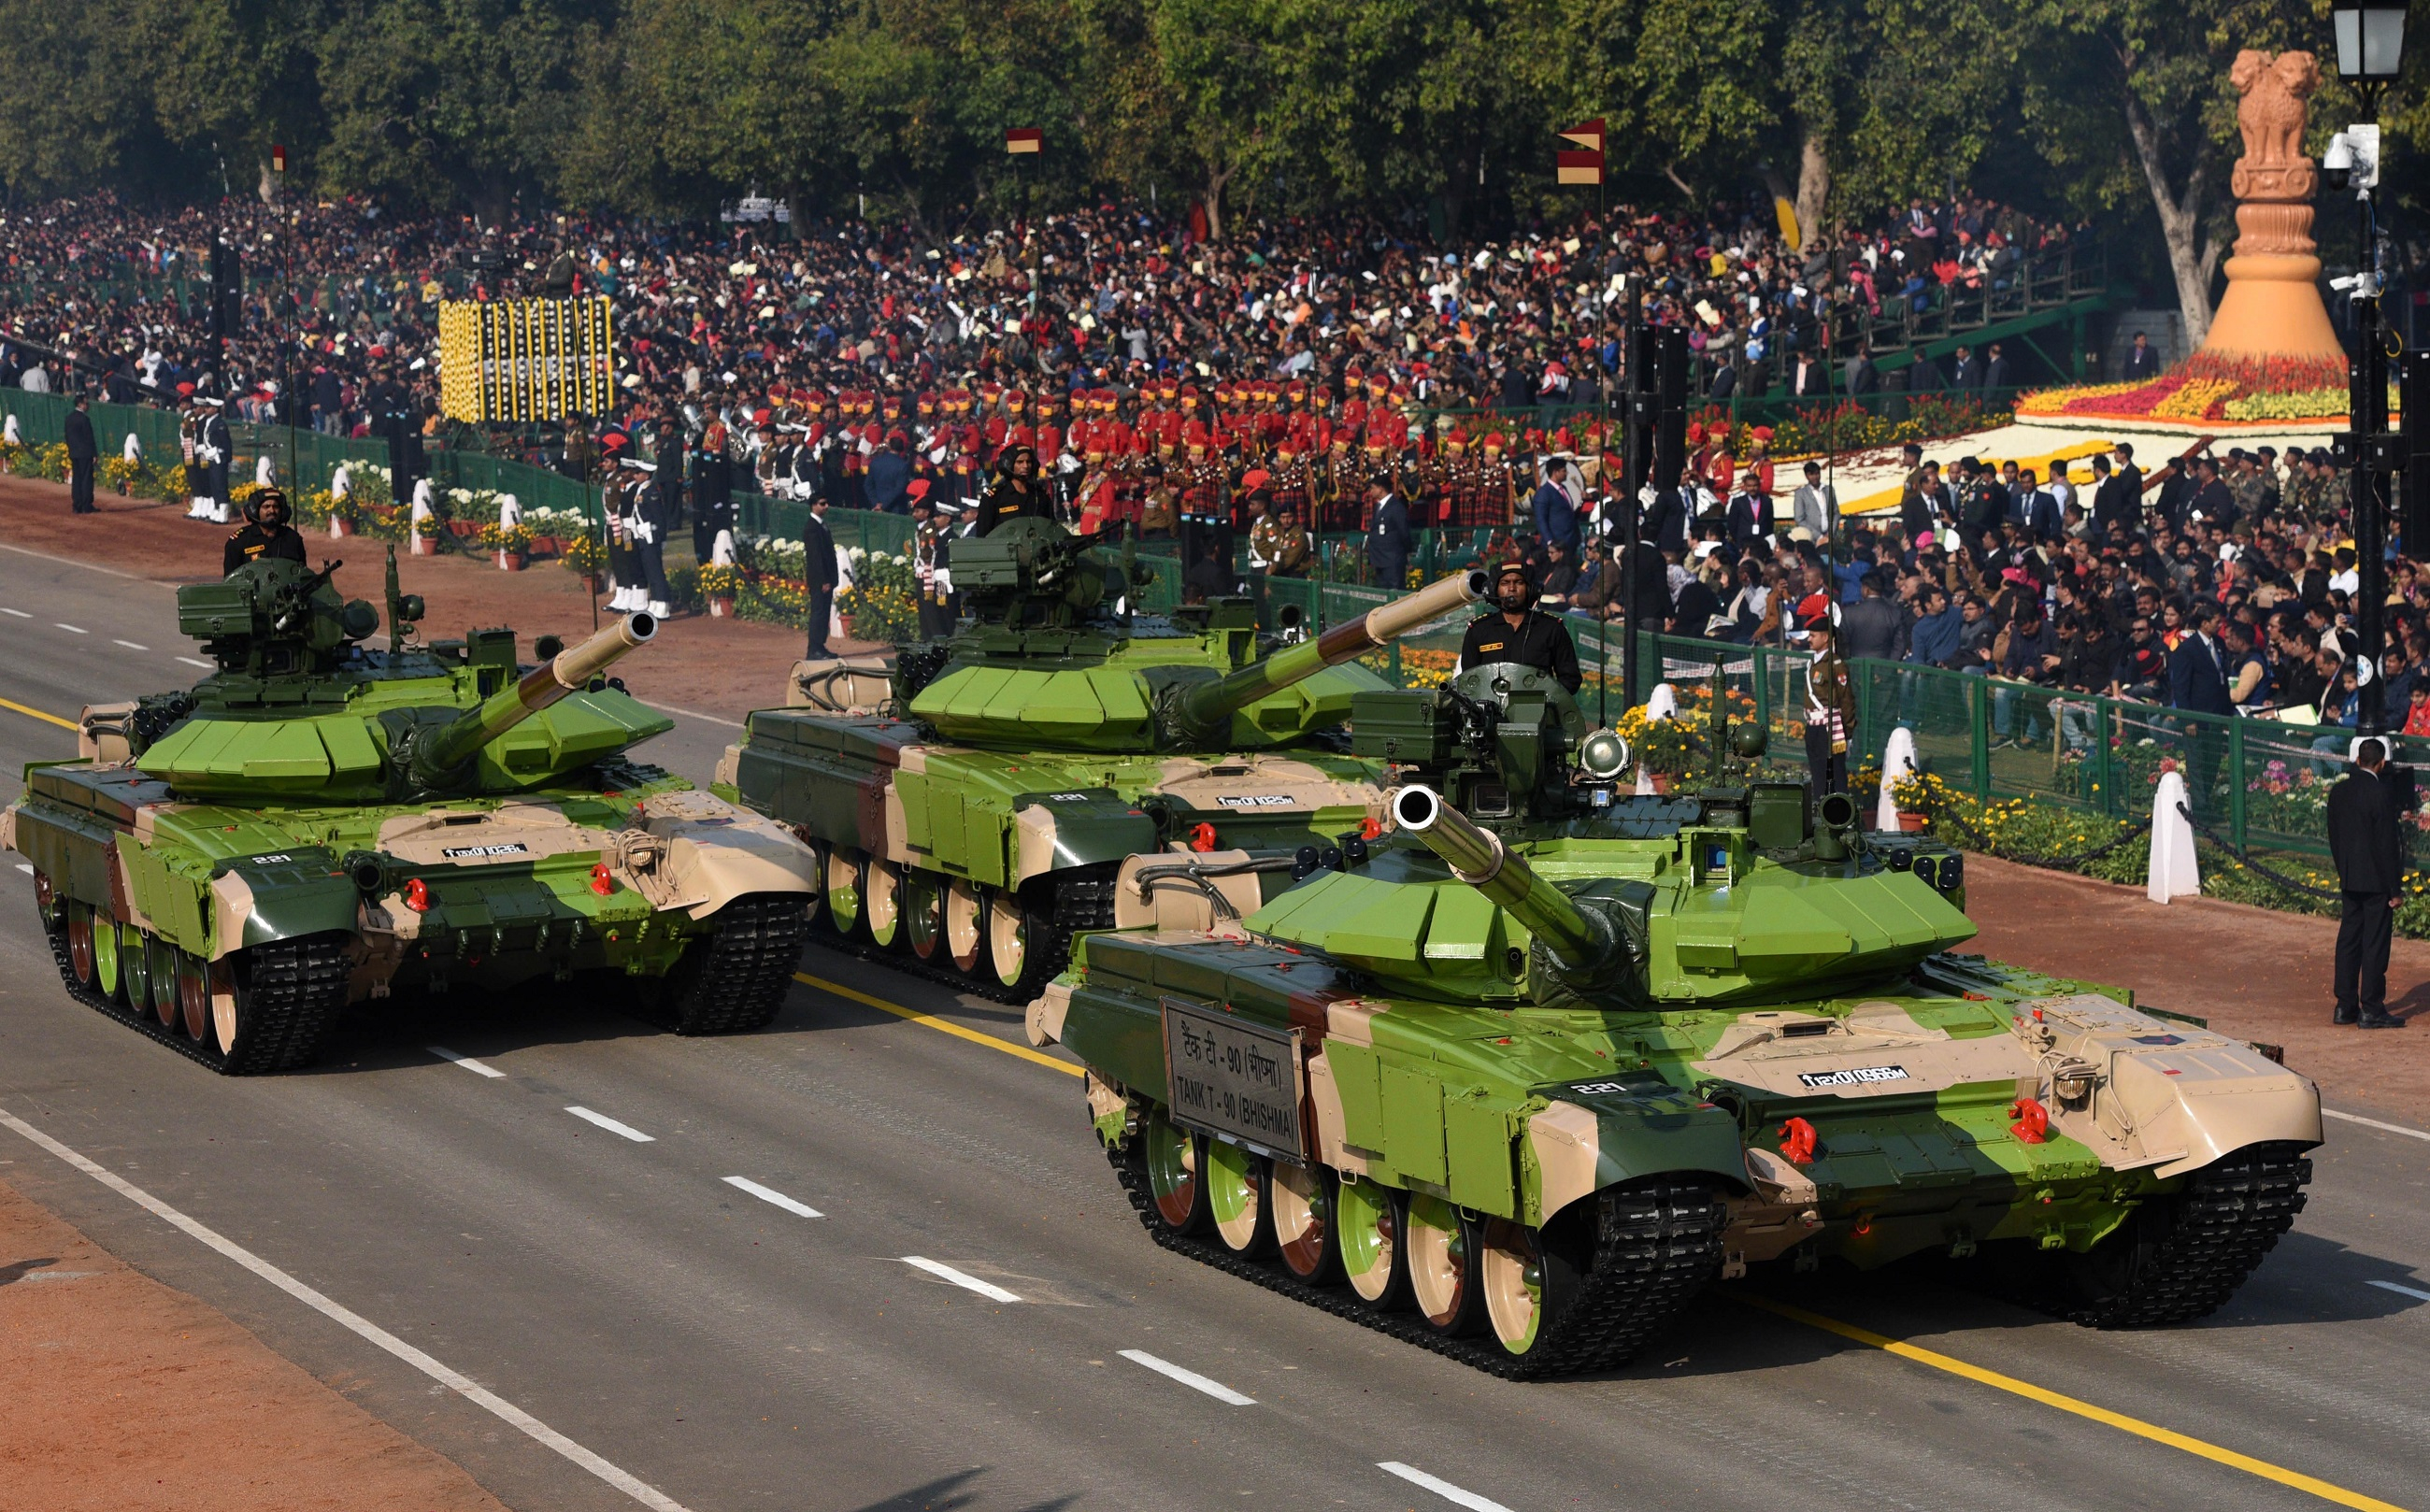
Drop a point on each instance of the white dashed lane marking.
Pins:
(353, 1323)
(2403, 1292)
(773, 1197)
(2373, 1123)
(947, 1273)
(611, 1125)
(1442, 1488)
(19, 613)
(23, 867)
(195, 662)
(475, 1066)
(1189, 1378)
(62, 624)
(129, 644)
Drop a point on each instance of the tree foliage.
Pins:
(1440, 110)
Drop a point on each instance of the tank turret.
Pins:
(440, 757)
(1201, 713)
(1581, 940)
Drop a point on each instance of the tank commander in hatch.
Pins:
(266, 533)
(1517, 631)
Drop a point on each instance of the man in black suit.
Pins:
(1924, 374)
(2111, 504)
(2371, 867)
(1861, 377)
(81, 452)
(819, 572)
(1387, 534)
(2198, 684)
(1969, 373)
(2142, 362)
(1996, 371)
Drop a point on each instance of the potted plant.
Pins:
(509, 545)
(1915, 796)
(426, 531)
(585, 558)
(717, 585)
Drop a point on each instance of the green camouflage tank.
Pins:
(1548, 1058)
(971, 808)
(316, 823)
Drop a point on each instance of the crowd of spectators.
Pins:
(726, 320)
(2215, 583)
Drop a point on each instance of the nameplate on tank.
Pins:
(484, 853)
(1237, 1080)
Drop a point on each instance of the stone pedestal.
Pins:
(2273, 306)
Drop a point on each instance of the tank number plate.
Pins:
(475, 853)
(1256, 800)
(1852, 1076)
(1236, 1079)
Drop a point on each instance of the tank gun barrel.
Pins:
(438, 756)
(1203, 711)
(1579, 940)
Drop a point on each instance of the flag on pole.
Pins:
(1017, 139)
(1583, 164)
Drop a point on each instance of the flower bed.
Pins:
(2208, 386)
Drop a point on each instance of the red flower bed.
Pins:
(2267, 375)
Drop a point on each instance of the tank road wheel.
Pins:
(164, 981)
(882, 902)
(1024, 942)
(736, 978)
(1302, 1198)
(272, 1005)
(842, 875)
(1530, 1277)
(1442, 1265)
(1237, 1183)
(1374, 1260)
(2178, 1257)
(79, 941)
(965, 936)
(106, 956)
(135, 969)
(194, 996)
(1175, 1158)
(924, 912)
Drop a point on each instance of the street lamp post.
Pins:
(2371, 45)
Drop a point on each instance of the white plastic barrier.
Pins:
(1898, 763)
(2175, 871)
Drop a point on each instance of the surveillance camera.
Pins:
(2337, 163)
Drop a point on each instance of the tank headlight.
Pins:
(1604, 754)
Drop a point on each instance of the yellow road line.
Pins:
(942, 1026)
(36, 714)
(2048, 1398)
(2262, 1468)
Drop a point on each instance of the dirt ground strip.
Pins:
(719, 667)
(2253, 972)
(123, 1393)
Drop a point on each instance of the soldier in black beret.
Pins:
(1516, 631)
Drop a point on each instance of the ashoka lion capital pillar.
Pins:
(2272, 307)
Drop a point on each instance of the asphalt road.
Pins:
(721, 1351)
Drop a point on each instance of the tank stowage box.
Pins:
(315, 824)
(1532, 1075)
(978, 819)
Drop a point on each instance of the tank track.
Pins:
(1658, 1243)
(298, 988)
(1084, 900)
(2211, 1235)
(744, 968)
